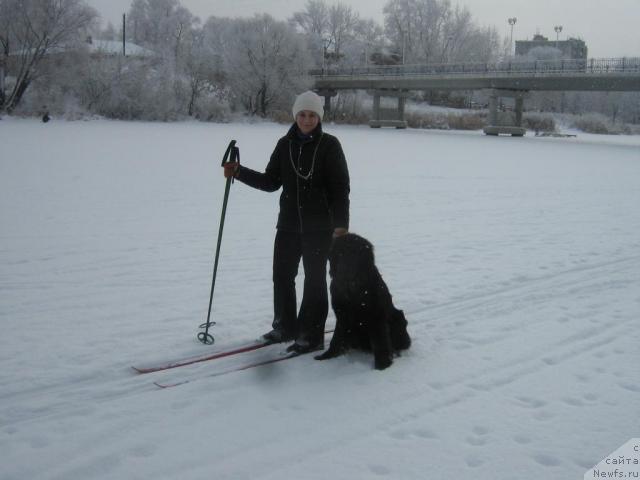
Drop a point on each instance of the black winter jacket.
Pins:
(316, 198)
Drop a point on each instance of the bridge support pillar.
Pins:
(388, 117)
(327, 94)
(508, 123)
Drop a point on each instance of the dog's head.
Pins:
(351, 256)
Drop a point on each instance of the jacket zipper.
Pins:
(298, 191)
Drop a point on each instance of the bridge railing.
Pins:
(506, 67)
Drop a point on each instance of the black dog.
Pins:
(366, 318)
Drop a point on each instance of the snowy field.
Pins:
(517, 262)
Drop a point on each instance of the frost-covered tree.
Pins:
(174, 34)
(413, 27)
(266, 62)
(109, 33)
(162, 25)
(215, 33)
(34, 29)
(4, 50)
(368, 39)
(399, 25)
(201, 70)
(422, 29)
(343, 23)
(476, 44)
(434, 31)
(335, 32)
(314, 19)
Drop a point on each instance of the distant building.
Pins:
(112, 47)
(571, 48)
(96, 48)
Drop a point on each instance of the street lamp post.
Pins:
(558, 29)
(512, 21)
(368, 50)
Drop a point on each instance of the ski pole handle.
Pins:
(231, 153)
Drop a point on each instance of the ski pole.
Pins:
(232, 154)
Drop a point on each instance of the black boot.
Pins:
(278, 336)
(304, 346)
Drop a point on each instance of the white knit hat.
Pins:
(308, 101)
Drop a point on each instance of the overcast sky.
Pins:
(609, 27)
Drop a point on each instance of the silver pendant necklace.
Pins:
(313, 160)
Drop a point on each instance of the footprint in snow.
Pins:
(423, 433)
(543, 416)
(478, 439)
(143, 451)
(547, 460)
(590, 397)
(181, 405)
(473, 461)
(630, 386)
(379, 470)
(584, 378)
(39, 442)
(522, 439)
(574, 402)
(529, 402)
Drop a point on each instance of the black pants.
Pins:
(313, 248)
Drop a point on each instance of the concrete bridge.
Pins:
(513, 78)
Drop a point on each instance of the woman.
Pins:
(311, 168)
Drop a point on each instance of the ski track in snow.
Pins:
(515, 260)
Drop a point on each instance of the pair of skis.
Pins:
(240, 368)
(186, 361)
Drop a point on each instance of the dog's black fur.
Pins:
(366, 318)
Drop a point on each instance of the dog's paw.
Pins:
(330, 353)
(383, 361)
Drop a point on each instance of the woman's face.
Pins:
(307, 121)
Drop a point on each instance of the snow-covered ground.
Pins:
(516, 260)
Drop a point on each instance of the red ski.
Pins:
(182, 362)
(231, 370)
(200, 358)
